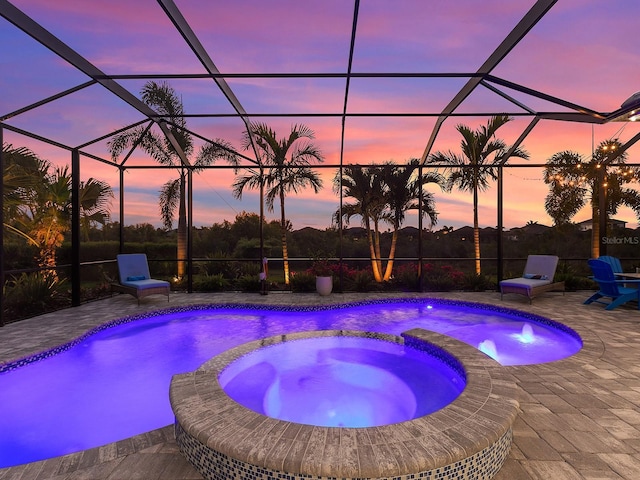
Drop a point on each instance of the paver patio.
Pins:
(579, 418)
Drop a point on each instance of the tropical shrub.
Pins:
(441, 278)
(248, 268)
(573, 281)
(477, 283)
(210, 283)
(321, 268)
(32, 294)
(361, 281)
(95, 292)
(303, 282)
(217, 263)
(248, 283)
(406, 277)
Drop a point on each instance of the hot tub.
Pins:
(469, 437)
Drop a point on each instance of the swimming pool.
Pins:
(112, 383)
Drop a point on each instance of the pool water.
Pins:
(341, 381)
(113, 383)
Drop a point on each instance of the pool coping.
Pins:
(221, 437)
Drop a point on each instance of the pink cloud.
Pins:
(564, 55)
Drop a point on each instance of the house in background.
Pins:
(529, 230)
(487, 234)
(612, 222)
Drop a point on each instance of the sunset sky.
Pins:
(585, 52)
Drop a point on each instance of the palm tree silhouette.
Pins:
(284, 167)
(364, 185)
(404, 191)
(385, 193)
(483, 153)
(163, 98)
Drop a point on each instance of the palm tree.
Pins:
(574, 181)
(385, 193)
(482, 152)
(39, 202)
(404, 191)
(364, 184)
(163, 98)
(95, 200)
(42, 216)
(23, 172)
(284, 168)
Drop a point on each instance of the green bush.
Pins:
(219, 262)
(210, 283)
(361, 281)
(473, 282)
(301, 282)
(248, 283)
(32, 294)
(573, 283)
(94, 292)
(248, 268)
(405, 278)
(19, 255)
(441, 278)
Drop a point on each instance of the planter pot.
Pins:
(324, 285)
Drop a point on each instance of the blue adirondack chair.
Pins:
(611, 287)
(616, 266)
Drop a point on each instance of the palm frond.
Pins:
(250, 181)
(156, 147)
(169, 199)
(95, 198)
(211, 152)
(125, 140)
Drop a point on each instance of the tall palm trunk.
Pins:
(378, 249)
(47, 261)
(283, 229)
(392, 253)
(182, 229)
(476, 228)
(377, 275)
(595, 232)
(49, 238)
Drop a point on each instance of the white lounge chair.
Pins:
(133, 271)
(536, 279)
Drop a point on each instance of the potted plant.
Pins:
(324, 276)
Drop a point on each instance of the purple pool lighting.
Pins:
(112, 383)
(342, 381)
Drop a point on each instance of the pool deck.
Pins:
(579, 417)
